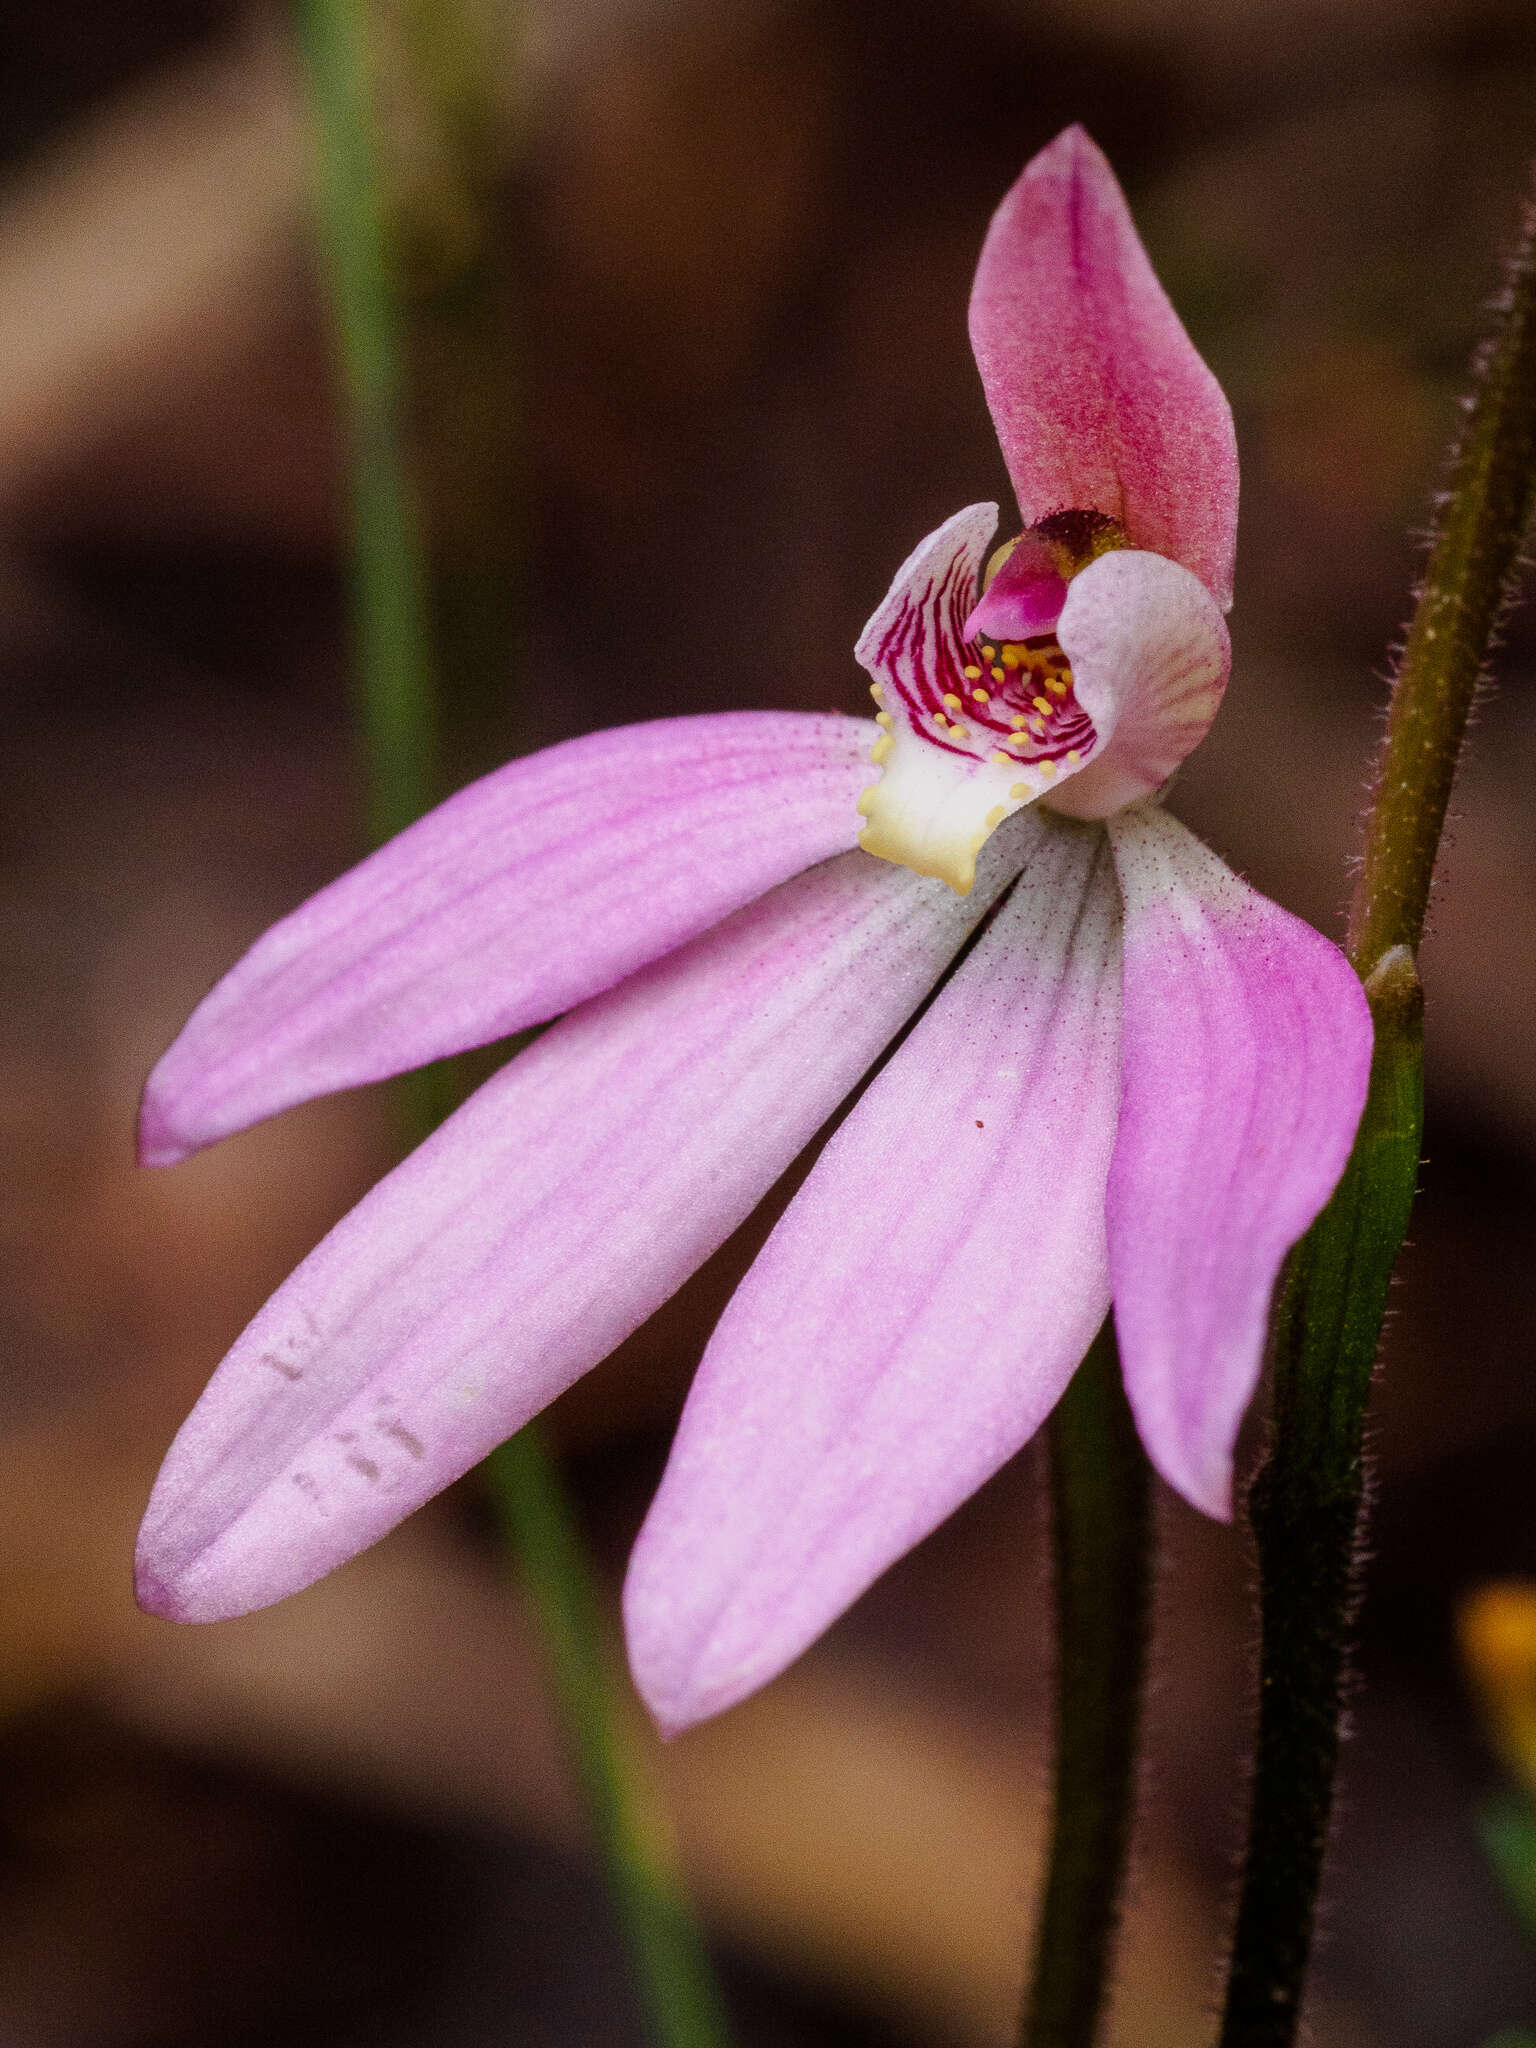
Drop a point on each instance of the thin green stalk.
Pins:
(397, 711)
(1467, 586)
(1101, 1513)
(1305, 1506)
(676, 1978)
(392, 661)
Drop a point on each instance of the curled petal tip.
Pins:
(1150, 658)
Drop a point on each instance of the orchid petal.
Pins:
(914, 1315)
(956, 756)
(529, 891)
(1099, 398)
(1150, 658)
(535, 1229)
(1246, 1052)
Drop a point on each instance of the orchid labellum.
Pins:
(1137, 1083)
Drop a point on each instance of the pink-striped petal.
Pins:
(968, 737)
(1150, 657)
(914, 1315)
(531, 890)
(1246, 1052)
(1099, 398)
(535, 1229)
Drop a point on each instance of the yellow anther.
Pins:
(877, 691)
(1017, 720)
(1003, 760)
(989, 654)
(939, 718)
(1037, 727)
(1021, 790)
(982, 696)
(1056, 686)
(1073, 756)
(1042, 705)
(998, 672)
(970, 671)
(1013, 654)
(951, 701)
(884, 718)
(958, 732)
(1018, 739)
(882, 747)
(1047, 768)
(866, 801)
(995, 816)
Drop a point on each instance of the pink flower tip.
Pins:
(1074, 146)
(679, 1700)
(156, 1595)
(178, 1594)
(159, 1144)
(1206, 1483)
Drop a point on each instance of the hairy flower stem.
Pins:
(1305, 1511)
(1305, 1506)
(1101, 1517)
(397, 714)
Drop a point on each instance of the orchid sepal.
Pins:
(1100, 400)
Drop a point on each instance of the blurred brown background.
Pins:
(687, 288)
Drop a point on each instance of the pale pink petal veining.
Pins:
(538, 1226)
(1246, 1052)
(914, 1315)
(1150, 657)
(529, 891)
(1100, 400)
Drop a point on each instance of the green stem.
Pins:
(1467, 586)
(1305, 1506)
(387, 584)
(676, 1978)
(397, 713)
(1305, 1509)
(1103, 1554)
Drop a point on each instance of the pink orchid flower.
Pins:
(1138, 1083)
